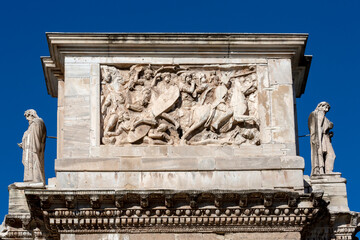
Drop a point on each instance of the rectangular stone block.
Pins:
(282, 118)
(280, 71)
(181, 180)
(17, 201)
(95, 105)
(282, 179)
(264, 107)
(186, 236)
(197, 151)
(163, 60)
(76, 127)
(77, 86)
(60, 120)
(334, 188)
(148, 164)
(77, 70)
(109, 151)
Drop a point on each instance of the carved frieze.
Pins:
(173, 211)
(175, 104)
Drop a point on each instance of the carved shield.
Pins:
(139, 133)
(166, 100)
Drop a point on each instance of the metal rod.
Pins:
(307, 135)
(51, 137)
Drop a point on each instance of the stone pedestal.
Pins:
(19, 223)
(334, 188)
(17, 200)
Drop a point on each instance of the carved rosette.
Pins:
(179, 104)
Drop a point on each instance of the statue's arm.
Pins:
(106, 104)
(320, 126)
(313, 130)
(155, 135)
(192, 87)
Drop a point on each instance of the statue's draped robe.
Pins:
(33, 145)
(322, 152)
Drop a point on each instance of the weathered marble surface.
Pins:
(186, 236)
(334, 188)
(80, 127)
(80, 107)
(256, 179)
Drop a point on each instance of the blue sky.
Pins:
(333, 28)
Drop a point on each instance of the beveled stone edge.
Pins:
(171, 164)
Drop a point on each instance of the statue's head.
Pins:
(30, 114)
(203, 78)
(188, 78)
(162, 127)
(214, 78)
(126, 116)
(148, 73)
(107, 77)
(167, 77)
(323, 106)
(118, 83)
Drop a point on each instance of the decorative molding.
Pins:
(117, 211)
(215, 45)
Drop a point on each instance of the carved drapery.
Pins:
(176, 104)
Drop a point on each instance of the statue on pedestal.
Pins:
(322, 152)
(33, 145)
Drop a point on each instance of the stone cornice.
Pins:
(111, 211)
(224, 45)
(52, 74)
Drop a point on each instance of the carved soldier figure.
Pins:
(322, 152)
(198, 106)
(148, 73)
(113, 106)
(187, 87)
(33, 145)
(159, 136)
(203, 85)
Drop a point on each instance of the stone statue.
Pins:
(33, 145)
(322, 152)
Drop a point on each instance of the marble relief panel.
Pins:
(179, 104)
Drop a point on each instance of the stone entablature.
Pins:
(73, 214)
(86, 211)
(216, 47)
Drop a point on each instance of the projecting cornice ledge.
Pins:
(206, 45)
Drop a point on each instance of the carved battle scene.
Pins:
(176, 105)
